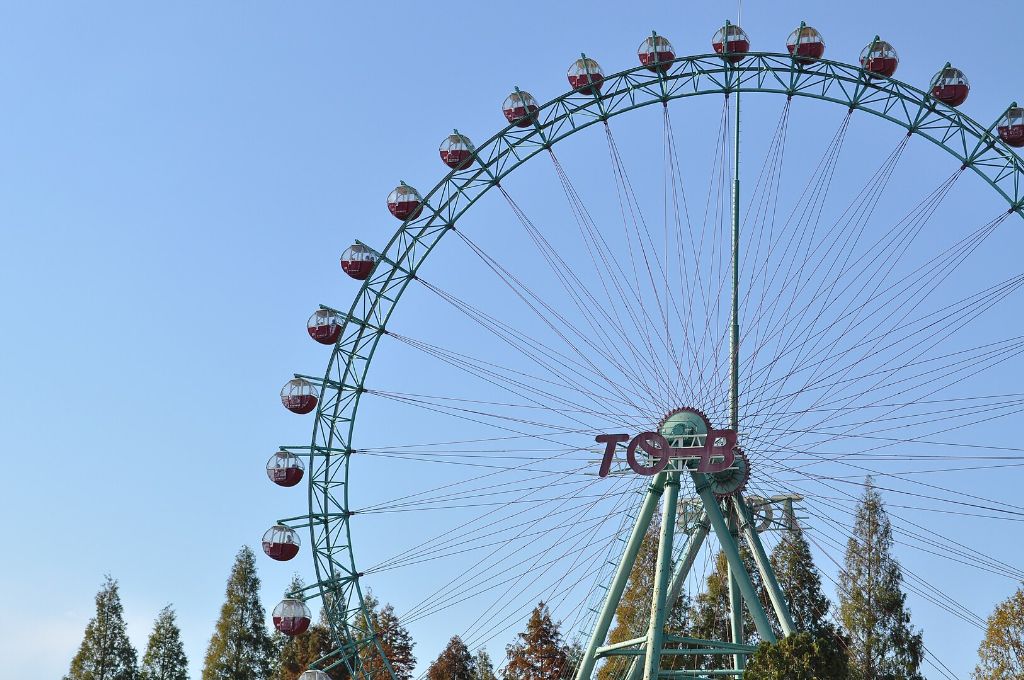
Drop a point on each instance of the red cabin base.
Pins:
(291, 625)
(406, 210)
(586, 83)
(282, 552)
(1012, 135)
(286, 476)
(457, 159)
(299, 403)
(881, 66)
(737, 50)
(807, 53)
(657, 61)
(326, 334)
(953, 95)
(358, 269)
(521, 116)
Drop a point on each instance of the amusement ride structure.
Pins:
(717, 371)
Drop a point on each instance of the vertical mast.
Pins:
(735, 602)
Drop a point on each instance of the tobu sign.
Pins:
(715, 454)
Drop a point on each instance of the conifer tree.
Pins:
(165, 654)
(394, 640)
(454, 663)
(484, 666)
(241, 647)
(800, 581)
(539, 653)
(1001, 653)
(803, 656)
(106, 652)
(872, 605)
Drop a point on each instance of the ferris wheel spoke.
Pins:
(967, 555)
(893, 303)
(1007, 511)
(492, 566)
(694, 283)
(840, 378)
(762, 211)
(818, 362)
(470, 530)
(545, 312)
(530, 387)
(832, 384)
(678, 208)
(658, 277)
(793, 236)
(957, 366)
(564, 371)
(583, 299)
(623, 305)
(578, 563)
(797, 329)
(946, 375)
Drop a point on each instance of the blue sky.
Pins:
(177, 181)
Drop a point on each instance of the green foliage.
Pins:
(1001, 653)
(241, 647)
(106, 652)
(883, 644)
(801, 582)
(803, 656)
(394, 640)
(165, 654)
(484, 666)
(539, 653)
(454, 663)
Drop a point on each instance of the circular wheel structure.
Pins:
(819, 323)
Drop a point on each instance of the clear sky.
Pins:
(176, 183)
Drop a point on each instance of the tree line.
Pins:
(869, 636)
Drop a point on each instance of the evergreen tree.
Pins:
(241, 647)
(296, 653)
(106, 652)
(803, 656)
(165, 654)
(1001, 654)
(539, 653)
(454, 663)
(883, 644)
(801, 582)
(394, 640)
(484, 666)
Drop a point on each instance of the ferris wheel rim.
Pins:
(498, 157)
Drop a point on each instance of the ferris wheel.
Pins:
(618, 335)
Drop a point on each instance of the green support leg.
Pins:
(679, 575)
(611, 601)
(764, 566)
(735, 606)
(659, 603)
(732, 553)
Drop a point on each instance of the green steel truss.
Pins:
(337, 577)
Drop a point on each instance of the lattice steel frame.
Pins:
(972, 144)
